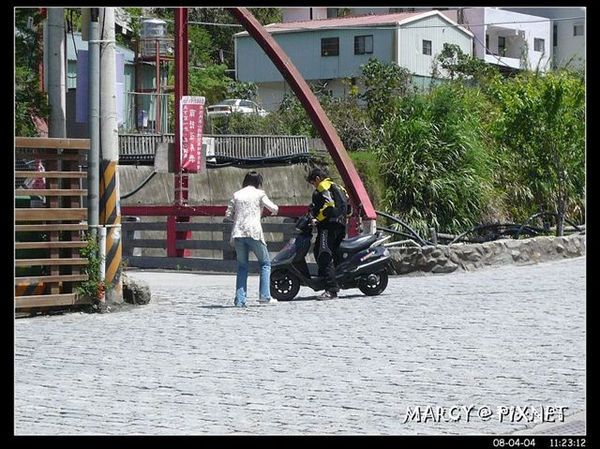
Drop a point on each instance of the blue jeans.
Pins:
(242, 247)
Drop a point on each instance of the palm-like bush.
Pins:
(437, 169)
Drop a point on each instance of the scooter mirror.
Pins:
(303, 223)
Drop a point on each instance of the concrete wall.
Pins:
(284, 185)
(270, 95)
(570, 49)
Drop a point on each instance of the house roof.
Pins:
(397, 19)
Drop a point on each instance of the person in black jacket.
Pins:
(329, 213)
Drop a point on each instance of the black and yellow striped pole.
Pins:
(110, 216)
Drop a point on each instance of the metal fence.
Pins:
(145, 244)
(142, 147)
(139, 147)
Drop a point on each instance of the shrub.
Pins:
(540, 135)
(436, 166)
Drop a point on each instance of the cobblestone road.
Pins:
(190, 363)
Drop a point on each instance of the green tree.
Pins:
(541, 133)
(267, 15)
(222, 51)
(342, 12)
(209, 82)
(292, 118)
(459, 65)
(384, 83)
(351, 121)
(200, 47)
(243, 90)
(30, 101)
(135, 23)
(240, 124)
(73, 19)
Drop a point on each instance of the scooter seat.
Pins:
(355, 243)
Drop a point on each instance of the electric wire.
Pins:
(140, 186)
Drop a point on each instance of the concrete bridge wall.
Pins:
(284, 185)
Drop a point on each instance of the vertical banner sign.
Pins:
(191, 122)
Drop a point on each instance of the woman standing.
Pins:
(245, 208)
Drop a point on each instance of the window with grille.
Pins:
(538, 44)
(363, 45)
(426, 47)
(330, 46)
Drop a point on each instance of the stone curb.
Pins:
(468, 257)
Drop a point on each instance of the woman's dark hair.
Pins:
(252, 179)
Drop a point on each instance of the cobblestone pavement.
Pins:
(190, 363)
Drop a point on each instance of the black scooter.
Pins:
(362, 264)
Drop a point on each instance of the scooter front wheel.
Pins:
(284, 285)
(374, 284)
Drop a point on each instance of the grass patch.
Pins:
(369, 169)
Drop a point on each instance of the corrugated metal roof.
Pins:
(83, 45)
(366, 20)
(354, 21)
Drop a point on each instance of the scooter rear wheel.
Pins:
(374, 284)
(284, 285)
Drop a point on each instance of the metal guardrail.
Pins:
(142, 147)
(248, 147)
(145, 244)
(139, 147)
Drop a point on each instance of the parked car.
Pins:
(227, 107)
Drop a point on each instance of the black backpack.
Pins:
(342, 200)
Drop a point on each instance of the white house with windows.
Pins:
(510, 39)
(568, 33)
(329, 51)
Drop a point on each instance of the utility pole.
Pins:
(56, 73)
(94, 121)
(110, 207)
